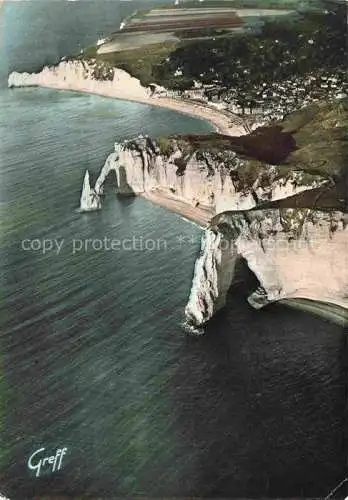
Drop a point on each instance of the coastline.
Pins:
(337, 312)
(219, 120)
(199, 215)
(135, 93)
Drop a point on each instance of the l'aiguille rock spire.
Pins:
(89, 200)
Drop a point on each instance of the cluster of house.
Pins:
(271, 100)
(277, 99)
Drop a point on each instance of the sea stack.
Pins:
(89, 200)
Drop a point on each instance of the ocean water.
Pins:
(93, 355)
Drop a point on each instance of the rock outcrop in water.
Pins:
(89, 200)
(220, 173)
(294, 253)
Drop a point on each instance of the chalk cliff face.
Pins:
(217, 181)
(81, 75)
(294, 253)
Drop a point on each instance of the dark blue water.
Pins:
(92, 353)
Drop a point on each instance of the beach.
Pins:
(222, 123)
(74, 76)
(198, 214)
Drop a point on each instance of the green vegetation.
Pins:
(282, 49)
(312, 140)
(265, 52)
(320, 133)
(166, 145)
(140, 63)
(89, 53)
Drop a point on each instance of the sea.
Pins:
(102, 391)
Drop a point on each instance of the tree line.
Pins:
(315, 40)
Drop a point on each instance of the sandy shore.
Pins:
(199, 215)
(221, 122)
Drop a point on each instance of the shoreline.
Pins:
(334, 311)
(222, 123)
(219, 120)
(199, 215)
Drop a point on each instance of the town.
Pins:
(267, 101)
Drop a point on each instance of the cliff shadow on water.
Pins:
(123, 182)
(110, 180)
(272, 411)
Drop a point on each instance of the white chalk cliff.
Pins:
(294, 253)
(101, 77)
(212, 181)
(83, 76)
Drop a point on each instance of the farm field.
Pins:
(203, 42)
(181, 23)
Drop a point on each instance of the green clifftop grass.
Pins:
(312, 140)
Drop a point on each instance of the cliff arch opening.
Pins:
(244, 282)
(110, 183)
